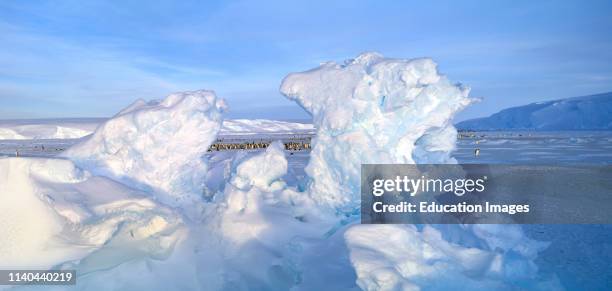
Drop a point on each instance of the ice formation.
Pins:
(255, 223)
(264, 223)
(411, 259)
(373, 110)
(156, 145)
(108, 216)
(53, 213)
(378, 110)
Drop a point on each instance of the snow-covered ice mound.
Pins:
(374, 110)
(265, 229)
(377, 110)
(156, 145)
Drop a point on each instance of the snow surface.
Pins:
(52, 213)
(47, 128)
(412, 259)
(576, 252)
(263, 126)
(592, 112)
(78, 128)
(136, 200)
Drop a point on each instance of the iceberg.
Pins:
(156, 146)
(373, 109)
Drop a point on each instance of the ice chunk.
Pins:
(257, 224)
(377, 110)
(264, 170)
(373, 110)
(156, 145)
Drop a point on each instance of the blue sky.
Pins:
(91, 58)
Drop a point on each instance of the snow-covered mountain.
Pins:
(593, 112)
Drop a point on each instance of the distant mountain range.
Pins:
(592, 112)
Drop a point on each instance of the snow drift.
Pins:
(425, 257)
(53, 213)
(272, 237)
(47, 128)
(81, 127)
(156, 145)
